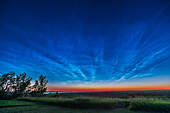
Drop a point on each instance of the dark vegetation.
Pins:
(42, 108)
(162, 94)
(14, 103)
(13, 86)
(16, 90)
(150, 105)
(136, 104)
(83, 103)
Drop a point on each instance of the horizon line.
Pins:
(106, 90)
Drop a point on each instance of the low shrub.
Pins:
(3, 95)
(150, 105)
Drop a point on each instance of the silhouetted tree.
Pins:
(21, 82)
(15, 83)
(40, 86)
(36, 86)
(6, 81)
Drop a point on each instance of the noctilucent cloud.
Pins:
(87, 43)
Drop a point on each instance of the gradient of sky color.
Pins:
(87, 43)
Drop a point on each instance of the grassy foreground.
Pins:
(57, 109)
(14, 103)
(148, 105)
(81, 102)
(83, 105)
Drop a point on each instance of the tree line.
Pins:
(13, 86)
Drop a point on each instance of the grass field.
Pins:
(53, 105)
(14, 103)
(47, 105)
(88, 104)
(162, 94)
(150, 105)
(56, 109)
(83, 103)
(13, 106)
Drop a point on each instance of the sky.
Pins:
(87, 45)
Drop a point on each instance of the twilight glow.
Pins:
(88, 45)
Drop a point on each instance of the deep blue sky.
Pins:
(85, 40)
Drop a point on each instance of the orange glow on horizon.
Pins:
(108, 88)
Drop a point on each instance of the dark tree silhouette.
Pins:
(15, 83)
(40, 86)
(36, 86)
(21, 82)
(12, 85)
(6, 81)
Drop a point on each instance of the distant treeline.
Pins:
(12, 86)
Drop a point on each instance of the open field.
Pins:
(91, 102)
(83, 103)
(56, 109)
(45, 107)
(149, 105)
(14, 103)
(162, 94)
(54, 105)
